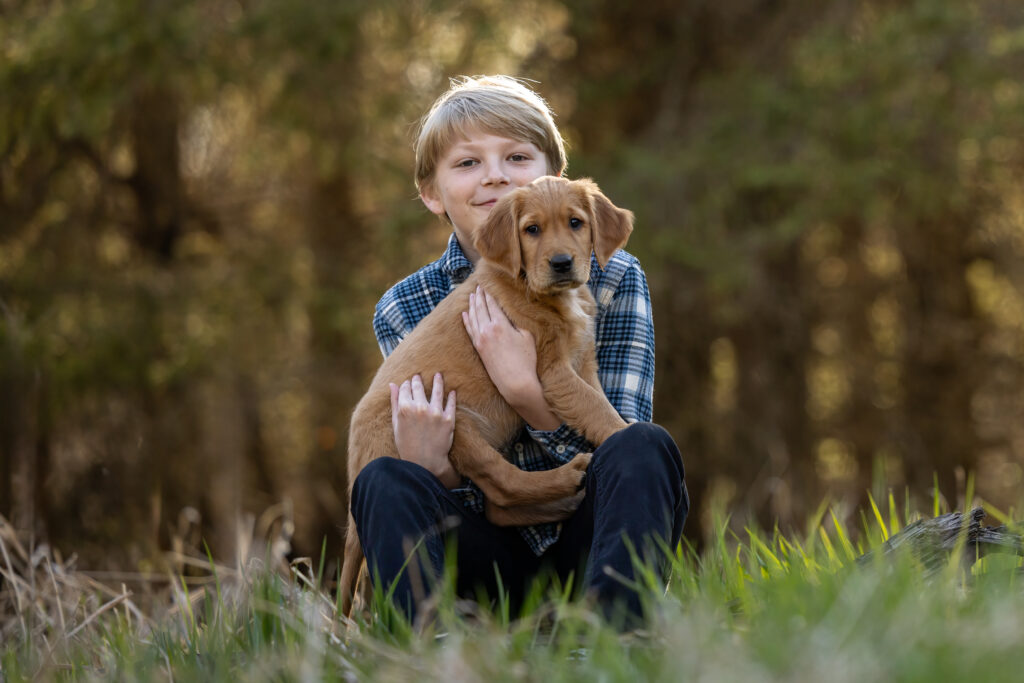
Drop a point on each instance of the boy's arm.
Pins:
(510, 357)
(423, 429)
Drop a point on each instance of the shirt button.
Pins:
(519, 448)
(560, 448)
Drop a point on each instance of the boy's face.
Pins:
(473, 173)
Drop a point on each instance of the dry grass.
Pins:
(757, 607)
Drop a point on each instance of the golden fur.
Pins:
(551, 217)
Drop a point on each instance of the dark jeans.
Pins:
(635, 491)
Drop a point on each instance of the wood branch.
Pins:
(933, 540)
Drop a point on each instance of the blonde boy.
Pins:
(481, 139)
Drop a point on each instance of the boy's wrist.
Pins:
(531, 405)
(448, 477)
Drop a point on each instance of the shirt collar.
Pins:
(454, 263)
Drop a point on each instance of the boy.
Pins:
(483, 138)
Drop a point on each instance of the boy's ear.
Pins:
(611, 226)
(431, 199)
(497, 240)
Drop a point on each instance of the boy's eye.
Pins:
(466, 162)
(532, 229)
(518, 157)
(575, 223)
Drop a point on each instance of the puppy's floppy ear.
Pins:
(611, 225)
(497, 239)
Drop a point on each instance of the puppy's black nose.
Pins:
(561, 263)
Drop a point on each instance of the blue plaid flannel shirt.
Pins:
(625, 356)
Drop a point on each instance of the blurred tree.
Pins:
(807, 220)
(200, 204)
(194, 199)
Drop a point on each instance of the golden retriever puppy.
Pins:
(535, 261)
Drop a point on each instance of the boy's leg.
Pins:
(635, 491)
(399, 507)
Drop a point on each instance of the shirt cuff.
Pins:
(470, 495)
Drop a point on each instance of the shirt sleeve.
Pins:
(384, 330)
(625, 347)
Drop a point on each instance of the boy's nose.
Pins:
(495, 175)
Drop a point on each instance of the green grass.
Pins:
(753, 606)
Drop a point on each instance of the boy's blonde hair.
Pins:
(500, 105)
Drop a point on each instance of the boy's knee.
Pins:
(390, 478)
(642, 449)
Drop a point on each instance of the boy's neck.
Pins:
(467, 249)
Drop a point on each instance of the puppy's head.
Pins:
(546, 230)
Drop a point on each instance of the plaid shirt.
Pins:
(625, 356)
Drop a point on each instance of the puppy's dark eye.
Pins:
(575, 223)
(532, 229)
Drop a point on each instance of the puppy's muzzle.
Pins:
(561, 265)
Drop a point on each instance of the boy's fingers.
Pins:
(489, 302)
(449, 408)
(393, 388)
(404, 392)
(481, 303)
(417, 389)
(437, 391)
(498, 311)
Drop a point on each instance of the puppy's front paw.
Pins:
(567, 506)
(579, 464)
(581, 461)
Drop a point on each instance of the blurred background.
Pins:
(201, 202)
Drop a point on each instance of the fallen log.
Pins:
(932, 540)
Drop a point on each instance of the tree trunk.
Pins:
(772, 447)
(157, 178)
(847, 309)
(942, 336)
(337, 372)
(682, 404)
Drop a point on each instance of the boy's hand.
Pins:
(424, 429)
(510, 358)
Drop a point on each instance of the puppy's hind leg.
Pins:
(351, 564)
